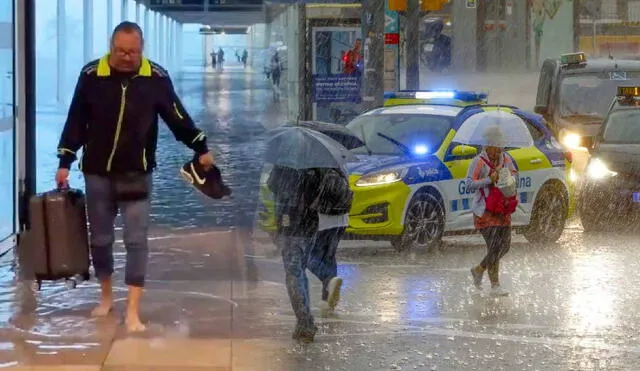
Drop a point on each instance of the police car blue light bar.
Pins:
(435, 95)
(467, 96)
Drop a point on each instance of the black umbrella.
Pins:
(339, 133)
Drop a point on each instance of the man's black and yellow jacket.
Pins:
(114, 118)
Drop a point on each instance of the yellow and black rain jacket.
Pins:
(113, 117)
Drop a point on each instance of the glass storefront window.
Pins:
(100, 32)
(7, 122)
(131, 11)
(74, 31)
(46, 54)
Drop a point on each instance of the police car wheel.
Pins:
(423, 225)
(548, 216)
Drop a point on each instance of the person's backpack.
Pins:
(495, 201)
(335, 196)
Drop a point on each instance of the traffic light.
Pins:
(397, 5)
(432, 5)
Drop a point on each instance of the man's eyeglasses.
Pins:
(126, 53)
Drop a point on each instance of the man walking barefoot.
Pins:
(113, 117)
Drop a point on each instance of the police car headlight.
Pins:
(599, 170)
(383, 177)
(571, 140)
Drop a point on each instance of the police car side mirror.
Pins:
(540, 110)
(464, 151)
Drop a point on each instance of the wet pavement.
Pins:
(214, 301)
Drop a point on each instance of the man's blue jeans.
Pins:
(318, 255)
(321, 259)
(102, 209)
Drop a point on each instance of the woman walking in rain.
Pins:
(491, 209)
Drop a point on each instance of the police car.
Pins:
(410, 181)
(611, 189)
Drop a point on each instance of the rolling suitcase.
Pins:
(58, 243)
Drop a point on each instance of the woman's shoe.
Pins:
(498, 291)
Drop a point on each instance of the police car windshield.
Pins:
(623, 126)
(590, 94)
(421, 134)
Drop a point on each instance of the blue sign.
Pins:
(391, 21)
(336, 88)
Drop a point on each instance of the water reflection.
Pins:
(593, 302)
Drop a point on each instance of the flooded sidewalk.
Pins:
(200, 307)
(215, 301)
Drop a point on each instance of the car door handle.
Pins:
(535, 161)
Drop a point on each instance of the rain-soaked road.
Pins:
(215, 302)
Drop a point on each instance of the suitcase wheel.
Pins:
(70, 283)
(86, 276)
(37, 285)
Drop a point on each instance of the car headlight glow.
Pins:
(571, 140)
(383, 177)
(599, 170)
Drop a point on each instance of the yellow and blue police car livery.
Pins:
(415, 195)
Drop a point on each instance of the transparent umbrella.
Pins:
(495, 128)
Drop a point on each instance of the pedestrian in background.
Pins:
(275, 69)
(113, 117)
(245, 57)
(220, 59)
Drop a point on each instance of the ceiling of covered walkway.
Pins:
(226, 14)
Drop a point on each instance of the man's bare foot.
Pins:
(106, 299)
(103, 308)
(134, 324)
